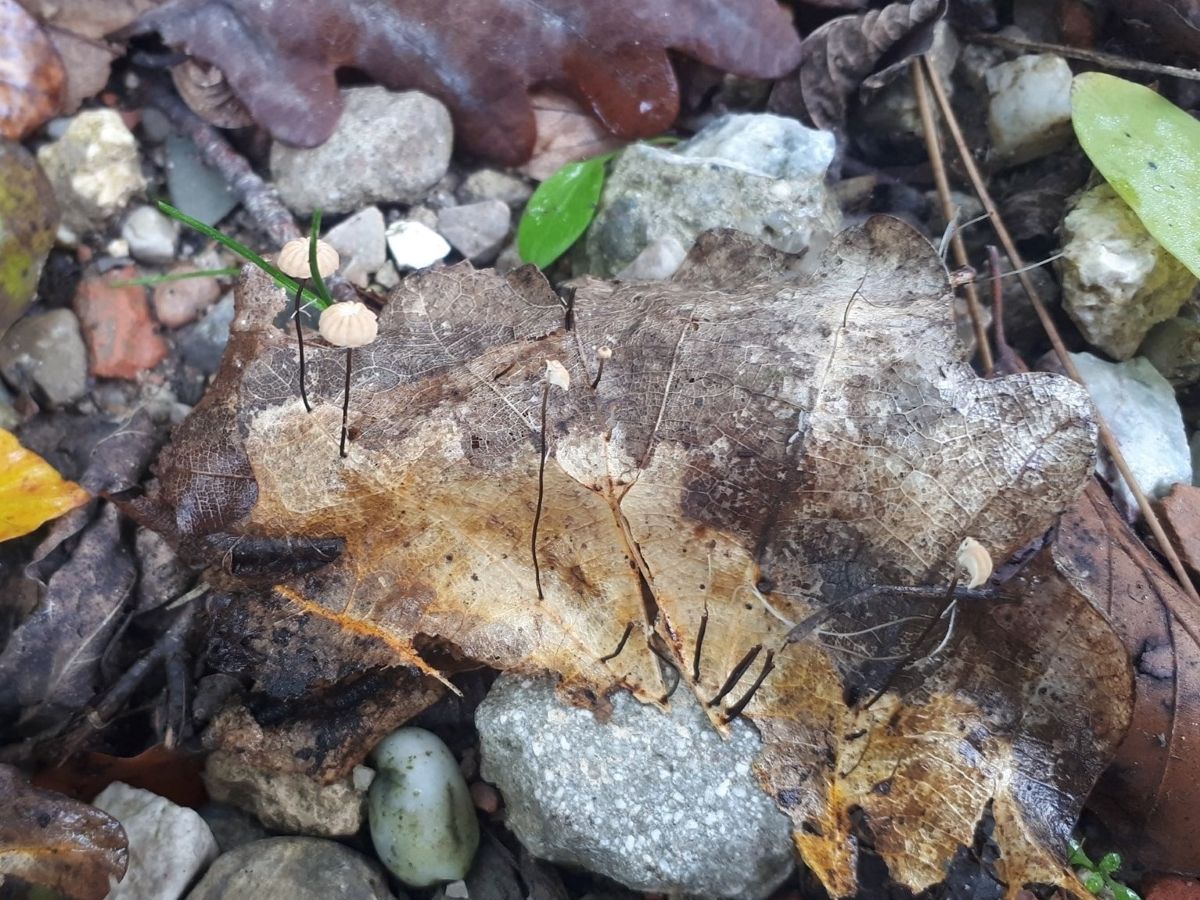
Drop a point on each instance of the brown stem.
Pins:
(933, 147)
(300, 340)
(346, 401)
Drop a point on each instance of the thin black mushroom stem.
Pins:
(350, 325)
(294, 260)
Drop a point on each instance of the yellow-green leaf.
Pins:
(1149, 151)
(31, 491)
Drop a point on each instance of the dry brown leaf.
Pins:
(565, 134)
(479, 57)
(760, 445)
(1151, 795)
(32, 80)
(837, 57)
(48, 839)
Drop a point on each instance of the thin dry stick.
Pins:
(1106, 435)
(1107, 60)
(933, 146)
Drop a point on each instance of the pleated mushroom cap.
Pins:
(293, 259)
(349, 324)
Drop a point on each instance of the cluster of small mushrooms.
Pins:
(347, 324)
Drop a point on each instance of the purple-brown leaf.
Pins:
(480, 57)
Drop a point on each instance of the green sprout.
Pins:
(1097, 876)
(320, 297)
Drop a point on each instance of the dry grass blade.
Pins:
(933, 145)
(1106, 435)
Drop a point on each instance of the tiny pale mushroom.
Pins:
(974, 559)
(294, 260)
(348, 325)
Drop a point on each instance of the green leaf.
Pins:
(1109, 863)
(560, 210)
(1149, 151)
(1078, 858)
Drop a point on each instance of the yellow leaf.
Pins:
(31, 491)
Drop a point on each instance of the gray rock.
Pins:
(388, 148)
(230, 826)
(203, 343)
(1194, 447)
(1140, 408)
(151, 236)
(1117, 280)
(387, 276)
(94, 169)
(285, 801)
(414, 245)
(169, 845)
(492, 184)
(195, 187)
(657, 801)
(296, 868)
(476, 230)
(1173, 347)
(761, 174)
(657, 262)
(9, 419)
(1029, 107)
(47, 352)
(361, 243)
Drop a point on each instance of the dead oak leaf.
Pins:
(1150, 797)
(481, 57)
(52, 840)
(761, 443)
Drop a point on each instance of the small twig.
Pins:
(260, 199)
(1068, 364)
(1100, 58)
(934, 148)
(122, 689)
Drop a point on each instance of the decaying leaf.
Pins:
(32, 80)
(838, 56)
(31, 491)
(760, 446)
(174, 774)
(48, 839)
(480, 57)
(50, 664)
(565, 134)
(1150, 796)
